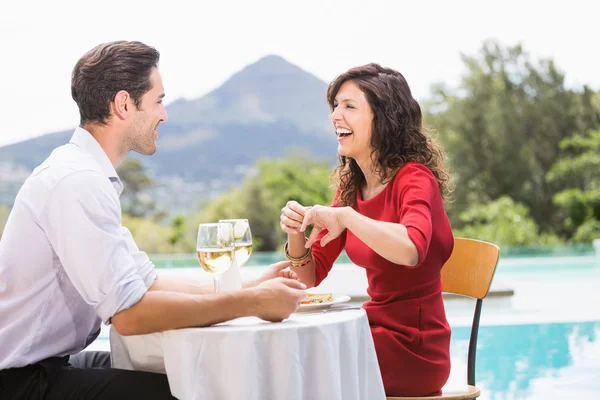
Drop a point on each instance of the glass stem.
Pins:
(217, 283)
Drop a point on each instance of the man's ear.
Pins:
(122, 104)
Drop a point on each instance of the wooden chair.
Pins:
(468, 272)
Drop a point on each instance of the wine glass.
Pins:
(215, 247)
(243, 239)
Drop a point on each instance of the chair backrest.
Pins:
(470, 268)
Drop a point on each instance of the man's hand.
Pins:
(278, 298)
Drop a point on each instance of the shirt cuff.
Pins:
(125, 294)
(148, 273)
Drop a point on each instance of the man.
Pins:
(66, 263)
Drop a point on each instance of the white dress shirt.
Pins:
(66, 263)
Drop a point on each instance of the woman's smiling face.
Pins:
(352, 119)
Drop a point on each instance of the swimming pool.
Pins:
(535, 361)
(518, 253)
(541, 343)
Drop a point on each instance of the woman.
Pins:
(388, 214)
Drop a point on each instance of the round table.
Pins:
(314, 355)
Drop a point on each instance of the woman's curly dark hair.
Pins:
(397, 132)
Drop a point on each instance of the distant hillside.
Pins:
(267, 109)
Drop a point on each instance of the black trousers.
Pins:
(84, 376)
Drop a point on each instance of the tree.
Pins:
(502, 128)
(579, 171)
(502, 222)
(134, 199)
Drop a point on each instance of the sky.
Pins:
(203, 43)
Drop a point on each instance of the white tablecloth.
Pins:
(328, 355)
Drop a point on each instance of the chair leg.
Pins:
(473, 343)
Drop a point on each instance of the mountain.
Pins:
(265, 110)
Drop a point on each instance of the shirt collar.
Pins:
(84, 140)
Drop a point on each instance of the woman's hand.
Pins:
(292, 216)
(323, 217)
(277, 270)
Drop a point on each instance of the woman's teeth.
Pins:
(343, 132)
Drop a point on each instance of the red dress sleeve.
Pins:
(325, 256)
(417, 189)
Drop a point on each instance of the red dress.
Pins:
(406, 311)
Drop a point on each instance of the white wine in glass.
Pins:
(215, 247)
(214, 261)
(243, 239)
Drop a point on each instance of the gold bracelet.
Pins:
(295, 259)
(301, 264)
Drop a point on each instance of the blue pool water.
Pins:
(536, 361)
(265, 258)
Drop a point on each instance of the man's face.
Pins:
(142, 135)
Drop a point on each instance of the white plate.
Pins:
(322, 306)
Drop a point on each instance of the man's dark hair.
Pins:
(107, 69)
